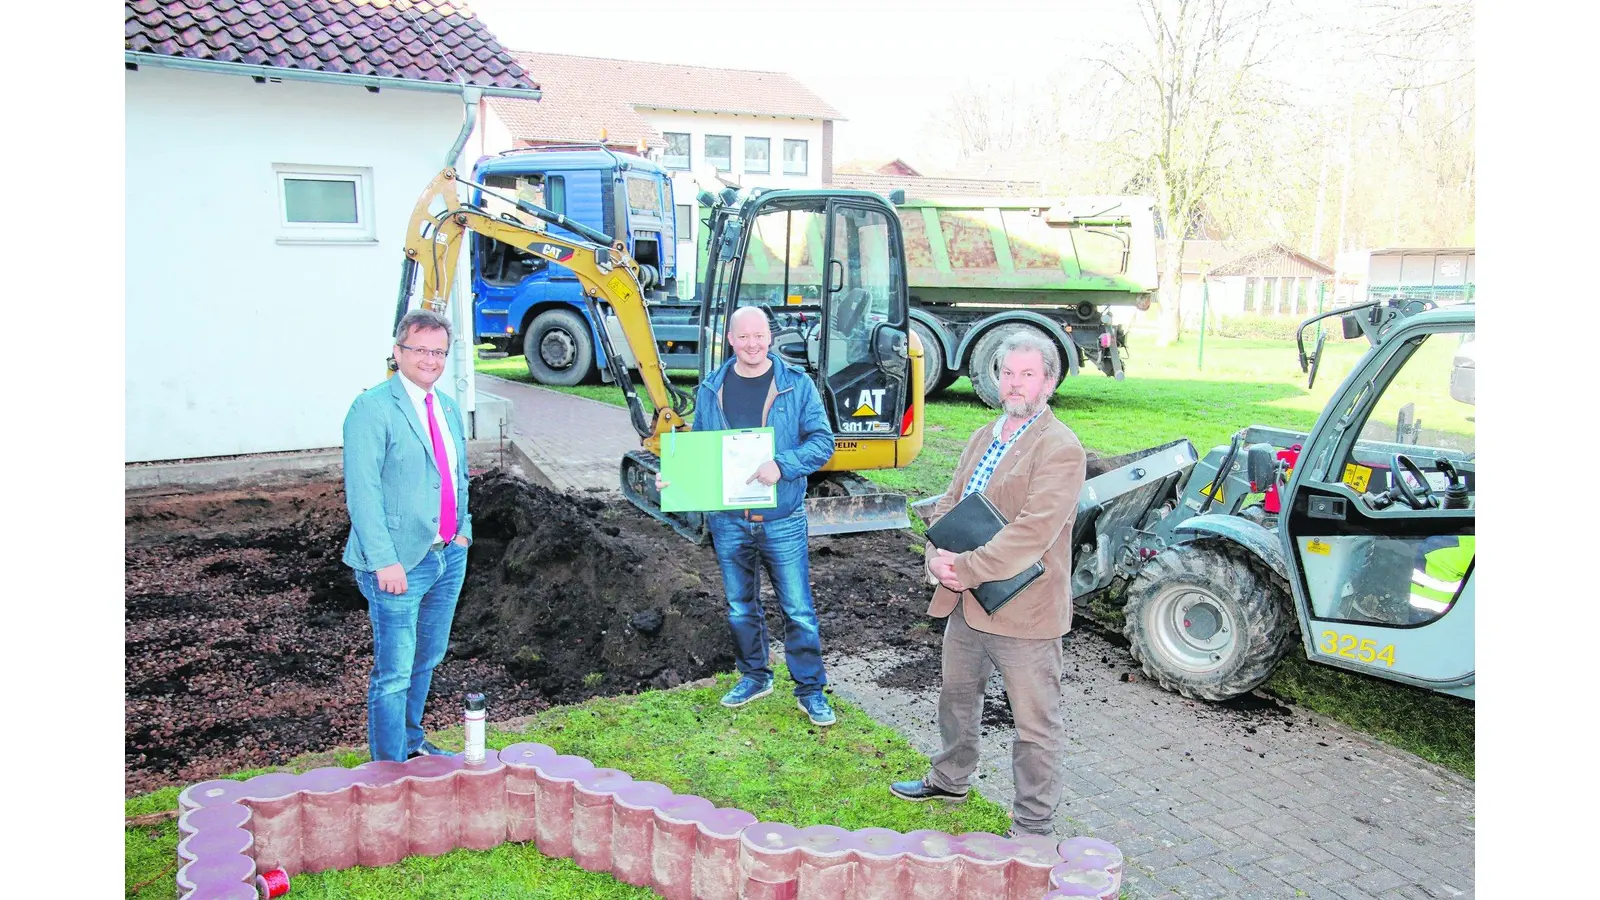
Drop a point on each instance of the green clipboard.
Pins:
(692, 462)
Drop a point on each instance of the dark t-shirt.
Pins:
(744, 398)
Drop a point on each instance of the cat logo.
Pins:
(559, 254)
(869, 404)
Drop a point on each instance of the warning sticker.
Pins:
(1357, 476)
(1214, 490)
(1318, 547)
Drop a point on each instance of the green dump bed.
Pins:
(1030, 252)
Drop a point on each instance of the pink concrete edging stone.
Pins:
(681, 846)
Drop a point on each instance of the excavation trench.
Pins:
(247, 642)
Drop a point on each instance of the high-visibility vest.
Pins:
(1436, 582)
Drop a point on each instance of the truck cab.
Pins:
(524, 304)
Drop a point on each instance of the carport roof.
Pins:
(431, 41)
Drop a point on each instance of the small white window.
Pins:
(324, 204)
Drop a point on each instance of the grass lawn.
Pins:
(764, 758)
(1168, 395)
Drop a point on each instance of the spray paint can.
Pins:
(476, 714)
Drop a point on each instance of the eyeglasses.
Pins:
(436, 354)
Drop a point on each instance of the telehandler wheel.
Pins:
(558, 348)
(1208, 620)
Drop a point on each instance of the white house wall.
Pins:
(490, 136)
(237, 343)
(697, 126)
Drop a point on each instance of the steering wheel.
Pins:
(1419, 497)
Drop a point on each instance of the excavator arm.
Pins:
(609, 275)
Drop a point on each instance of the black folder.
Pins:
(969, 525)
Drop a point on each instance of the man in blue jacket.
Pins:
(751, 390)
(405, 483)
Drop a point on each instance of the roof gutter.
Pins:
(262, 73)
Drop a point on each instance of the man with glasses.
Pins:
(405, 484)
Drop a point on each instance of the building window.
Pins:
(794, 157)
(324, 203)
(676, 156)
(757, 155)
(684, 222)
(719, 151)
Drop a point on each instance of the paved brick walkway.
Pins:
(576, 442)
(1206, 802)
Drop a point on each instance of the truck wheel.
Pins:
(558, 348)
(984, 370)
(1208, 620)
(934, 377)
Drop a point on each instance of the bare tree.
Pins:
(1187, 108)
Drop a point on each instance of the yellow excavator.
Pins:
(827, 266)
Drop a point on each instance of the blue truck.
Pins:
(523, 304)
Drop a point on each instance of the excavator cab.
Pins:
(828, 268)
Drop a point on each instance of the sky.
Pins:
(886, 66)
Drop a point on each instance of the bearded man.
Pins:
(1031, 467)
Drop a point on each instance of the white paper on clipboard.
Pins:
(742, 454)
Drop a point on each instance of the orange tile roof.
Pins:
(419, 40)
(583, 94)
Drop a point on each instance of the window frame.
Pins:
(683, 221)
(362, 231)
(688, 156)
(805, 168)
(746, 161)
(705, 141)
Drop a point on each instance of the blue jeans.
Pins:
(742, 546)
(410, 632)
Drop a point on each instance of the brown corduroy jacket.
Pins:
(1036, 488)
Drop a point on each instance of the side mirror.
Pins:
(1464, 373)
(731, 233)
(1316, 356)
(891, 349)
(1260, 466)
(1352, 327)
(897, 196)
(1462, 387)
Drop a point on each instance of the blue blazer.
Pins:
(391, 483)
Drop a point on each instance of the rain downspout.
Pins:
(461, 310)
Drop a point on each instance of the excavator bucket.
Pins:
(846, 515)
(845, 503)
(839, 503)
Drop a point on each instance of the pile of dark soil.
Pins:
(570, 602)
(248, 644)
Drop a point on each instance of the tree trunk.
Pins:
(1170, 325)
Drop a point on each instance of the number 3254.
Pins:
(1363, 649)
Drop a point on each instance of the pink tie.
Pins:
(447, 486)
